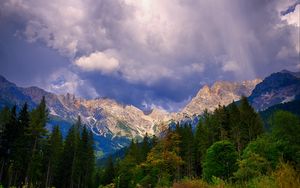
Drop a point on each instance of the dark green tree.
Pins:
(206, 134)
(187, 150)
(145, 147)
(251, 124)
(36, 132)
(21, 149)
(286, 128)
(127, 165)
(220, 161)
(4, 119)
(9, 138)
(221, 116)
(69, 159)
(235, 133)
(267, 147)
(109, 172)
(86, 161)
(52, 157)
(252, 166)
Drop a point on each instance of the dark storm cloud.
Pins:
(290, 9)
(150, 52)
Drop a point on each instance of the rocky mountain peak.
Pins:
(205, 90)
(220, 93)
(277, 88)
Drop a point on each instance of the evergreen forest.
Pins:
(230, 147)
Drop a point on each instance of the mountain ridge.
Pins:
(115, 124)
(107, 116)
(220, 93)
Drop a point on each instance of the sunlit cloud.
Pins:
(98, 61)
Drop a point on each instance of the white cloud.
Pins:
(104, 62)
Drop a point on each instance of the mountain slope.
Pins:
(11, 94)
(277, 88)
(292, 106)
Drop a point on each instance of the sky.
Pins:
(149, 53)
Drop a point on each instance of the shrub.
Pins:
(252, 166)
(286, 176)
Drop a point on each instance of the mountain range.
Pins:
(115, 124)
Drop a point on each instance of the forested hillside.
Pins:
(229, 148)
(33, 157)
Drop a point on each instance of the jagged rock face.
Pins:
(277, 88)
(106, 117)
(220, 93)
(120, 120)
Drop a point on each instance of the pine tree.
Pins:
(235, 126)
(109, 172)
(11, 130)
(222, 119)
(91, 160)
(207, 132)
(36, 131)
(69, 160)
(21, 150)
(66, 164)
(4, 119)
(126, 166)
(145, 148)
(186, 149)
(8, 141)
(212, 127)
(251, 124)
(53, 154)
(189, 151)
(133, 150)
(86, 159)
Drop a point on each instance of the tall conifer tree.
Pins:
(36, 131)
(52, 157)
